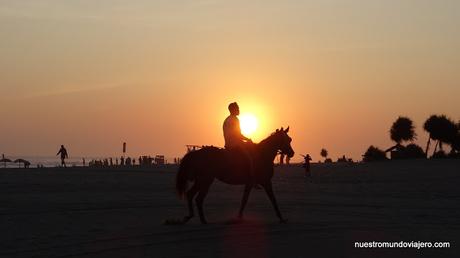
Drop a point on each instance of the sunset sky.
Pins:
(160, 74)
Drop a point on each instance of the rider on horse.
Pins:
(234, 140)
(240, 163)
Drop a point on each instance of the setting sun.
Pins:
(249, 124)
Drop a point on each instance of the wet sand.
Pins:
(82, 212)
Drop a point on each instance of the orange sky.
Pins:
(160, 74)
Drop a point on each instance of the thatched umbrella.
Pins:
(4, 160)
(25, 162)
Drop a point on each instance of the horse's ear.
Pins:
(287, 130)
(282, 129)
(277, 130)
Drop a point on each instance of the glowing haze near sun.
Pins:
(248, 124)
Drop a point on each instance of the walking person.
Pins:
(306, 165)
(64, 155)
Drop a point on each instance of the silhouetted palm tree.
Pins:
(402, 130)
(440, 129)
(324, 153)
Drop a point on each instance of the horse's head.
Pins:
(283, 141)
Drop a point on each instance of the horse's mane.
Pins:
(268, 137)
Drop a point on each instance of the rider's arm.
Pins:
(241, 136)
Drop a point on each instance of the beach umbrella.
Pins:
(25, 162)
(4, 160)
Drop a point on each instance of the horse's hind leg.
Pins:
(200, 199)
(190, 194)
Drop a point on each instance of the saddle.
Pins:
(239, 158)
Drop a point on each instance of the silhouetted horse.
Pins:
(204, 165)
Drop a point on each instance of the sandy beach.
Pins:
(83, 212)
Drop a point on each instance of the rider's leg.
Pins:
(247, 153)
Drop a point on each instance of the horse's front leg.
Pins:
(247, 190)
(269, 190)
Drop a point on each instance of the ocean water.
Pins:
(45, 161)
(55, 161)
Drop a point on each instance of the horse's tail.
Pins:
(183, 175)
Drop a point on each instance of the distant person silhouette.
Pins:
(234, 139)
(306, 165)
(64, 155)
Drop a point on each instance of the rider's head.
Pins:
(234, 109)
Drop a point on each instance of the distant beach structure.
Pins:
(23, 161)
(160, 159)
(4, 160)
